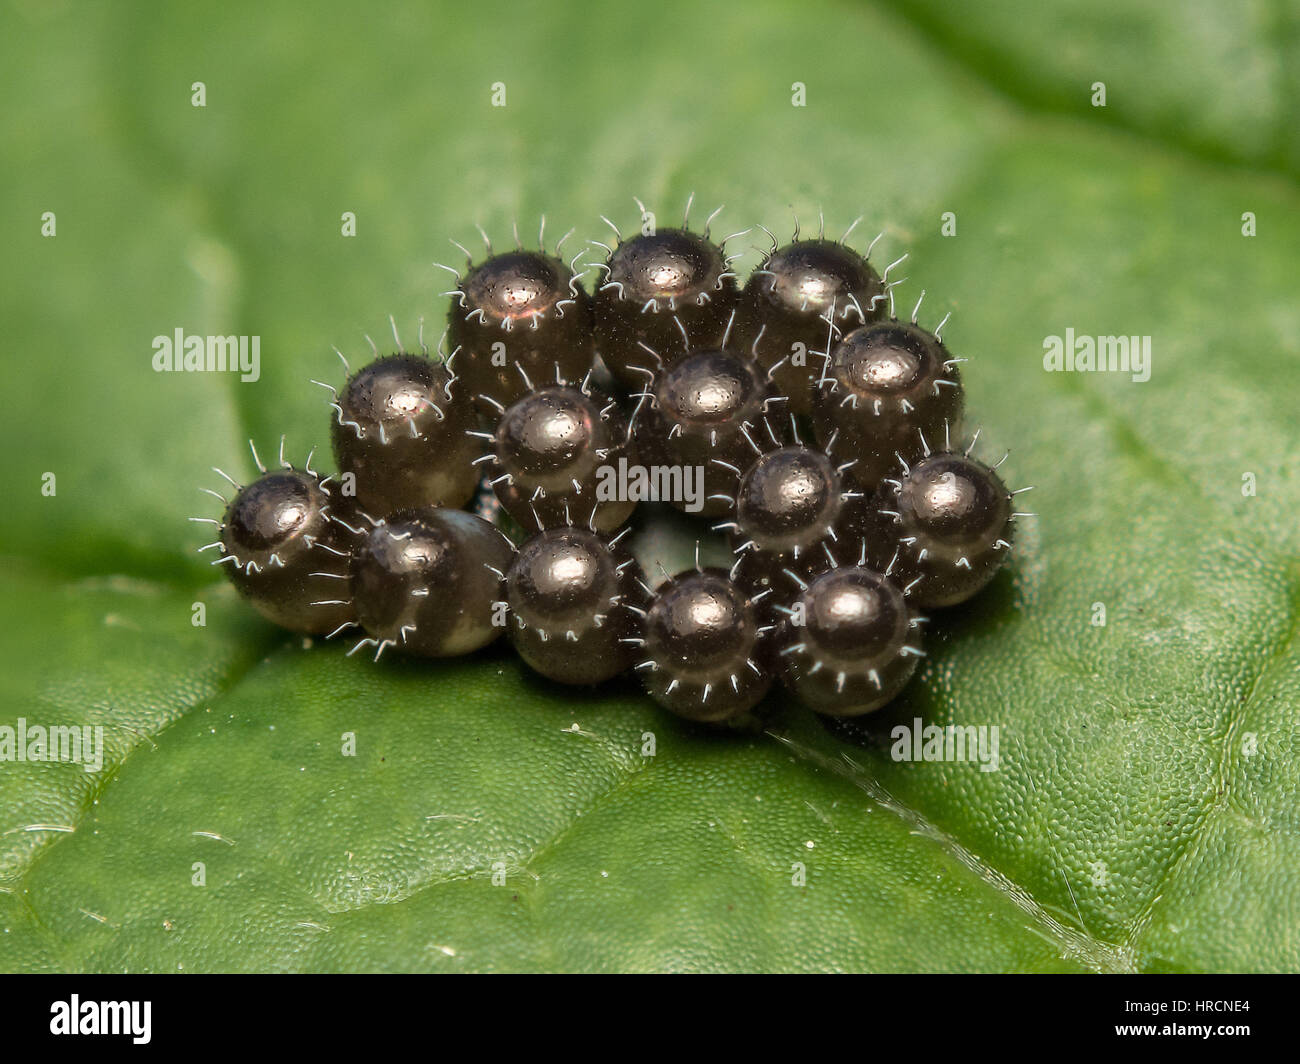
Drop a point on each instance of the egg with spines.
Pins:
(285, 549)
(400, 432)
(429, 582)
(518, 316)
(660, 287)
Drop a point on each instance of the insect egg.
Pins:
(701, 415)
(569, 590)
(882, 385)
(429, 582)
(849, 643)
(791, 511)
(400, 428)
(649, 279)
(554, 452)
(285, 551)
(518, 310)
(953, 521)
(705, 650)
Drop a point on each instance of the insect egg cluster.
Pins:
(793, 414)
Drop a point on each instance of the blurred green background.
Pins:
(1145, 815)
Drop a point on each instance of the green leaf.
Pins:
(1144, 812)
